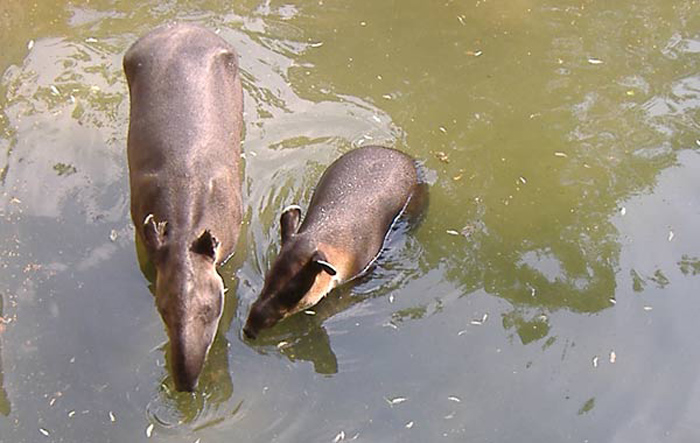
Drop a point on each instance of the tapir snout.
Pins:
(190, 300)
(189, 346)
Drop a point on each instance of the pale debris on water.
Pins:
(395, 400)
(613, 356)
(442, 156)
(648, 308)
(595, 361)
(149, 430)
(44, 432)
(339, 437)
(409, 425)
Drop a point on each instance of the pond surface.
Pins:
(550, 294)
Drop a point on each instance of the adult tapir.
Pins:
(184, 151)
(354, 205)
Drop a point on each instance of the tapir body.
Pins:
(184, 152)
(353, 207)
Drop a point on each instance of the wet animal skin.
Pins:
(184, 151)
(353, 207)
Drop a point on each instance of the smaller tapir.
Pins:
(184, 151)
(353, 207)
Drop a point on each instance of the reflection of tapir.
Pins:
(353, 208)
(184, 150)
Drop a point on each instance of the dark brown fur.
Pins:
(184, 152)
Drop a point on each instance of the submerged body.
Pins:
(184, 150)
(354, 205)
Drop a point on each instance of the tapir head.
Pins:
(292, 274)
(189, 297)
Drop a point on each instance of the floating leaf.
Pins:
(395, 400)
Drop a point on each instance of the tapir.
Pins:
(353, 207)
(183, 150)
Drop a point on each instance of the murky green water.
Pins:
(551, 293)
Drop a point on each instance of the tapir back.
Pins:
(185, 129)
(357, 199)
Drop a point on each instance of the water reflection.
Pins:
(578, 129)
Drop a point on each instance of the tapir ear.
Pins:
(289, 222)
(206, 245)
(319, 258)
(154, 233)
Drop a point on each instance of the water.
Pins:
(549, 295)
